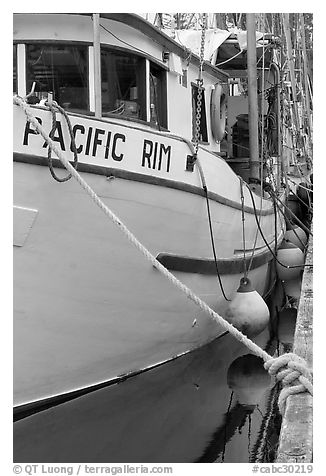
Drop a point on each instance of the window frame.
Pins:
(161, 96)
(148, 61)
(22, 76)
(67, 43)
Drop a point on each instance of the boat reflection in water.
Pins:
(181, 411)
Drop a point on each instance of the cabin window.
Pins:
(203, 137)
(62, 70)
(157, 87)
(123, 84)
(15, 84)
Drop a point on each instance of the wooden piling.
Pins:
(295, 443)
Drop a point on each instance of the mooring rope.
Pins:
(274, 365)
(292, 370)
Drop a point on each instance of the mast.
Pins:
(97, 64)
(254, 175)
(305, 71)
(290, 59)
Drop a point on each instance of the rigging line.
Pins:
(262, 113)
(234, 56)
(295, 183)
(310, 208)
(267, 244)
(122, 41)
(302, 225)
(230, 59)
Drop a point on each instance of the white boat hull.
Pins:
(90, 306)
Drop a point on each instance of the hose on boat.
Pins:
(54, 107)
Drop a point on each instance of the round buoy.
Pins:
(286, 325)
(289, 255)
(247, 311)
(297, 236)
(292, 287)
(248, 379)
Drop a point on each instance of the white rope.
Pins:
(296, 377)
(182, 287)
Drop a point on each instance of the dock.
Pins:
(296, 436)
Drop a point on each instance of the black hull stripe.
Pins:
(127, 175)
(207, 267)
(24, 411)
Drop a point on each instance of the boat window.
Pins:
(203, 137)
(123, 84)
(15, 86)
(62, 70)
(157, 86)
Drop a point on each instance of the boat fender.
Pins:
(289, 255)
(247, 311)
(297, 236)
(248, 379)
(218, 112)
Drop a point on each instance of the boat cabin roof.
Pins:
(139, 23)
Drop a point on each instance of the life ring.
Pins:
(218, 112)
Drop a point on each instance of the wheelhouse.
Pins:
(145, 76)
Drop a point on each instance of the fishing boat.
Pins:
(144, 119)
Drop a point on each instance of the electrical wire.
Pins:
(302, 225)
(122, 41)
(213, 243)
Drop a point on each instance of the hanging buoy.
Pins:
(292, 287)
(286, 325)
(247, 311)
(248, 379)
(289, 255)
(297, 236)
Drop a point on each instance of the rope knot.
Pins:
(294, 373)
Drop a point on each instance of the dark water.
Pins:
(185, 411)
